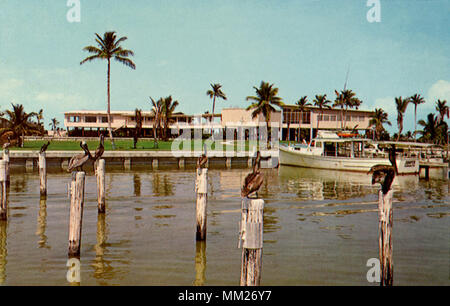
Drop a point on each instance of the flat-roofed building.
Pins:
(291, 123)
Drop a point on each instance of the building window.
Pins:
(74, 119)
(90, 119)
(104, 119)
(332, 117)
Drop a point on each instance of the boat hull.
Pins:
(295, 158)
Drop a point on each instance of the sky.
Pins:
(303, 47)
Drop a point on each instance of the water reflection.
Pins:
(319, 184)
(162, 187)
(3, 251)
(200, 263)
(137, 185)
(102, 267)
(42, 224)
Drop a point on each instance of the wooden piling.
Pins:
(4, 193)
(228, 162)
(251, 237)
(76, 213)
(6, 159)
(101, 189)
(385, 238)
(202, 199)
(155, 163)
(42, 174)
(181, 163)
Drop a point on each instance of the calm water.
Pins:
(320, 228)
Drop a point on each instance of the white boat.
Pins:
(329, 151)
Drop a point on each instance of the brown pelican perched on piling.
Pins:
(203, 159)
(253, 180)
(44, 147)
(98, 152)
(77, 161)
(100, 149)
(385, 174)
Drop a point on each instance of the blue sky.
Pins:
(304, 47)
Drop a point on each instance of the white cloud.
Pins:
(439, 90)
(388, 105)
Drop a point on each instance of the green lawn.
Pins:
(142, 145)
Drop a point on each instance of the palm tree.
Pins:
(350, 100)
(156, 112)
(322, 103)
(214, 93)
(167, 110)
(138, 127)
(432, 129)
(109, 48)
(19, 123)
(54, 125)
(443, 109)
(416, 100)
(302, 104)
(339, 102)
(266, 97)
(401, 105)
(40, 116)
(378, 118)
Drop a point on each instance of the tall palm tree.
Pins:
(416, 100)
(19, 123)
(401, 105)
(138, 127)
(109, 48)
(215, 92)
(167, 111)
(443, 109)
(266, 97)
(302, 105)
(378, 119)
(156, 112)
(322, 103)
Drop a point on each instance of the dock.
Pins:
(29, 160)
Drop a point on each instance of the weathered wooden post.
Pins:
(76, 213)
(4, 192)
(385, 238)
(202, 199)
(101, 189)
(6, 159)
(251, 237)
(42, 174)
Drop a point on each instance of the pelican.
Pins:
(79, 160)
(385, 174)
(44, 147)
(253, 180)
(203, 159)
(100, 149)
